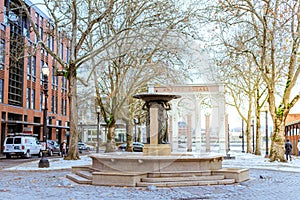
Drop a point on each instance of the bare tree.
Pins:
(267, 32)
(71, 23)
(144, 49)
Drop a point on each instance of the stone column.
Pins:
(157, 119)
(189, 133)
(174, 127)
(207, 132)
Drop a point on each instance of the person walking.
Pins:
(64, 148)
(288, 149)
(298, 146)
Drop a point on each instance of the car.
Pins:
(20, 144)
(82, 146)
(137, 146)
(53, 148)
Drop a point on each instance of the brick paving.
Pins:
(53, 184)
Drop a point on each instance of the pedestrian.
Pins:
(288, 149)
(298, 146)
(64, 148)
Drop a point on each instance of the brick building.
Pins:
(21, 80)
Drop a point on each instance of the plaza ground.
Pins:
(267, 181)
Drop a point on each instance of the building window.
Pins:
(1, 90)
(53, 104)
(41, 100)
(2, 53)
(28, 97)
(36, 38)
(62, 51)
(64, 107)
(41, 74)
(41, 33)
(63, 84)
(56, 105)
(52, 43)
(29, 67)
(33, 99)
(68, 54)
(41, 20)
(33, 70)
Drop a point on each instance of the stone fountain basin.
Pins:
(156, 97)
(129, 162)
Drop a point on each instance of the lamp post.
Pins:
(135, 121)
(267, 142)
(98, 130)
(243, 138)
(44, 163)
(253, 136)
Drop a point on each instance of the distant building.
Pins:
(292, 130)
(21, 81)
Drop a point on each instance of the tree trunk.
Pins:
(248, 135)
(111, 144)
(258, 136)
(73, 153)
(129, 138)
(277, 146)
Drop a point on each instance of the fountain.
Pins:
(157, 165)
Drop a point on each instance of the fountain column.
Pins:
(157, 106)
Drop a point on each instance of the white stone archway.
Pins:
(197, 120)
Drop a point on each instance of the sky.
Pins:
(242, 160)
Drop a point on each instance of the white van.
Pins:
(22, 145)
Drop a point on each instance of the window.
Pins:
(33, 99)
(41, 20)
(2, 53)
(53, 104)
(62, 51)
(29, 67)
(41, 33)
(68, 54)
(64, 107)
(63, 84)
(33, 70)
(41, 73)
(52, 43)
(1, 90)
(27, 97)
(56, 105)
(41, 100)
(36, 38)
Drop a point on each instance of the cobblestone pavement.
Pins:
(33, 185)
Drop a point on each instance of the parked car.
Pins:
(137, 146)
(53, 148)
(82, 146)
(20, 144)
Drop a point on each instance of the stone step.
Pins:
(179, 173)
(85, 174)
(78, 179)
(187, 183)
(184, 178)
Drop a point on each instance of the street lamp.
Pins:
(98, 130)
(243, 138)
(267, 142)
(44, 163)
(253, 136)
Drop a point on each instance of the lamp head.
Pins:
(98, 109)
(45, 70)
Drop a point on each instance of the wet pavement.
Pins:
(53, 184)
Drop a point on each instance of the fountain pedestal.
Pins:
(157, 106)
